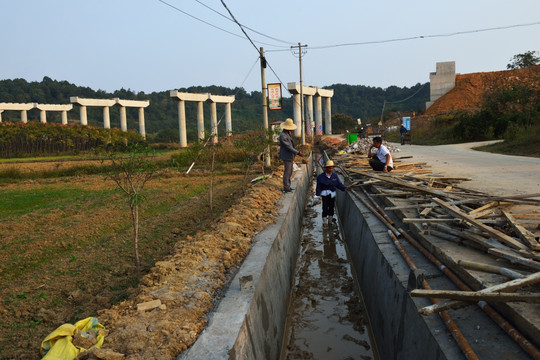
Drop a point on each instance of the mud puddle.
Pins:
(326, 318)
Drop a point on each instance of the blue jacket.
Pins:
(325, 183)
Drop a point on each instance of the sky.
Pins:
(157, 45)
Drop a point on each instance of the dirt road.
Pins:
(493, 173)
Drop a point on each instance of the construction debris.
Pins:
(478, 240)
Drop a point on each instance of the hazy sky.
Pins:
(147, 45)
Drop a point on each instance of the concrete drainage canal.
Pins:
(326, 317)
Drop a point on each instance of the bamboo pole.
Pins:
(508, 286)
(374, 211)
(514, 258)
(490, 311)
(491, 269)
(476, 296)
(505, 239)
(480, 199)
(381, 211)
(448, 321)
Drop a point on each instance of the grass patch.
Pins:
(18, 202)
(67, 242)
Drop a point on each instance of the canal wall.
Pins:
(399, 331)
(249, 321)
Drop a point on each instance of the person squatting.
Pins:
(380, 159)
(327, 183)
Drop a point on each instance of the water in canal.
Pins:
(326, 317)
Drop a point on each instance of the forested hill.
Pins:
(161, 116)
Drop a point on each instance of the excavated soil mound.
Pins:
(170, 309)
(469, 90)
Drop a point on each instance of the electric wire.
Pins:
(212, 25)
(250, 29)
(247, 36)
(240, 25)
(221, 118)
(418, 37)
(407, 98)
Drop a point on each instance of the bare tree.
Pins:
(131, 173)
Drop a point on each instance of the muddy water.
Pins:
(326, 318)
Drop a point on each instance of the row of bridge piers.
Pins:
(314, 118)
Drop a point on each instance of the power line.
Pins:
(240, 25)
(209, 24)
(418, 37)
(250, 29)
(398, 101)
(247, 36)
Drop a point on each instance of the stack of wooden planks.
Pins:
(490, 242)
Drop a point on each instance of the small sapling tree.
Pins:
(131, 173)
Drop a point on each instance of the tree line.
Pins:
(161, 117)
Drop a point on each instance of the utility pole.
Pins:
(300, 46)
(382, 112)
(265, 106)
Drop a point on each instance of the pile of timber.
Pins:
(498, 249)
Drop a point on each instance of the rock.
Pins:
(149, 305)
(100, 354)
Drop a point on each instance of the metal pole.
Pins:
(302, 96)
(264, 106)
(302, 117)
(382, 112)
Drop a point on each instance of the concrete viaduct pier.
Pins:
(106, 104)
(182, 97)
(309, 92)
(43, 108)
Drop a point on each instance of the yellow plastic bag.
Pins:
(58, 345)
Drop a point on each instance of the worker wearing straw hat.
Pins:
(287, 152)
(327, 183)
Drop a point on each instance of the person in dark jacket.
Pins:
(402, 132)
(327, 183)
(287, 152)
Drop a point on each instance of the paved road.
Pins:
(492, 173)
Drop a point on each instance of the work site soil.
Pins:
(73, 258)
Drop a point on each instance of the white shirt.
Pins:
(381, 154)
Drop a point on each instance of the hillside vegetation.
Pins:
(486, 106)
(161, 116)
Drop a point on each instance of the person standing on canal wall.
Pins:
(380, 160)
(327, 183)
(287, 152)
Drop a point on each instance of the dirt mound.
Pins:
(188, 283)
(470, 88)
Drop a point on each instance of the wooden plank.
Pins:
(475, 296)
(505, 239)
(491, 269)
(429, 220)
(426, 211)
(523, 234)
(489, 205)
(514, 258)
(477, 200)
(395, 181)
(507, 286)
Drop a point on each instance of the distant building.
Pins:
(441, 81)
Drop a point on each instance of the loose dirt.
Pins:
(469, 90)
(66, 260)
(189, 282)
